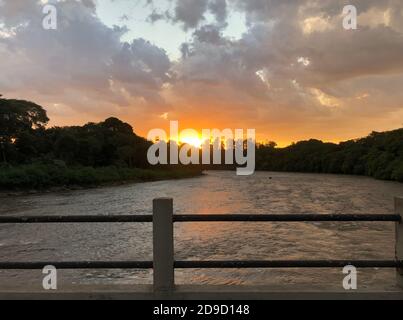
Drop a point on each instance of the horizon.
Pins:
(197, 141)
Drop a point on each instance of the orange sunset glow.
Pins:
(301, 78)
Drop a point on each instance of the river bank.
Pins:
(39, 178)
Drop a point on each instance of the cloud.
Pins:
(210, 34)
(278, 74)
(190, 12)
(157, 16)
(83, 57)
(219, 9)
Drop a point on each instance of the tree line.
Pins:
(380, 155)
(32, 154)
(24, 138)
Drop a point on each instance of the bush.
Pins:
(398, 173)
(42, 176)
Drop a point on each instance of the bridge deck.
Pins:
(195, 292)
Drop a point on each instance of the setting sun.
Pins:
(192, 140)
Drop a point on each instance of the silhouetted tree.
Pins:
(18, 117)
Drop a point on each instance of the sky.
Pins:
(285, 68)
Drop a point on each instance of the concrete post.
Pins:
(163, 245)
(399, 239)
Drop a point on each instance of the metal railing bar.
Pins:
(75, 219)
(206, 218)
(77, 265)
(287, 218)
(247, 264)
(287, 264)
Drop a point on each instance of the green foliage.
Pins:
(20, 116)
(42, 176)
(380, 155)
(17, 118)
(397, 173)
(24, 139)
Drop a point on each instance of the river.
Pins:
(216, 192)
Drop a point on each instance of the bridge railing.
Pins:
(164, 263)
